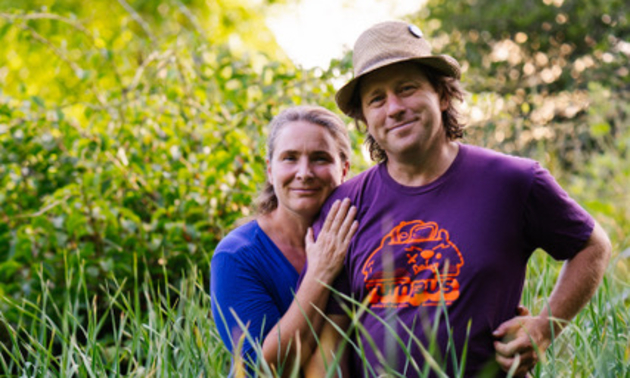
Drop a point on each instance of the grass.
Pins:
(153, 330)
(156, 330)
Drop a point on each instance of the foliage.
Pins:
(535, 69)
(170, 333)
(122, 144)
(132, 137)
(143, 329)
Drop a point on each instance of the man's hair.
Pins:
(445, 86)
(267, 200)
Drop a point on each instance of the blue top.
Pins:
(252, 279)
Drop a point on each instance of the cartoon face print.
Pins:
(423, 267)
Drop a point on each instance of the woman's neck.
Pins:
(287, 233)
(283, 229)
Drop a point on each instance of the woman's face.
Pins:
(305, 168)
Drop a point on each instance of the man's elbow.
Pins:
(605, 246)
(598, 248)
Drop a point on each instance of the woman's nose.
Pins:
(304, 169)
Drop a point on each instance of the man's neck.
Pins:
(422, 170)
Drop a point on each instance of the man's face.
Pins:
(402, 111)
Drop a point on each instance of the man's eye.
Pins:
(375, 100)
(408, 88)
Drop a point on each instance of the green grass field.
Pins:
(132, 138)
(150, 333)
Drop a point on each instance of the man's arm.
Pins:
(527, 337)
(324, 357)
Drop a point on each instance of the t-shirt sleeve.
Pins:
(554, 221)
(240, 301)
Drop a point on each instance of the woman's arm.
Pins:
(293, 339)
(242, 308)
(330, 340)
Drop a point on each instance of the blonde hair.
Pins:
(267, 200)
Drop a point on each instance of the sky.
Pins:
(312, 32)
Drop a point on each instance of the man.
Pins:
(446, 229)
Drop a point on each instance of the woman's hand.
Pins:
(303, 320)
(325, 256)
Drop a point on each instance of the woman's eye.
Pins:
(322, 158)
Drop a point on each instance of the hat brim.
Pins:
(445, 64)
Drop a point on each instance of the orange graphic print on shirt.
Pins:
(414, 262)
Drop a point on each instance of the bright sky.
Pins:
(312, 32)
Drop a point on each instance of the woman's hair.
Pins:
(267, 200)
(445, 86)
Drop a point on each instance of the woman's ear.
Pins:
(345, 170)
(269, 180)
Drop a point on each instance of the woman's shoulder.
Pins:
(240, 240)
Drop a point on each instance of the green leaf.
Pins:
(38, 101)
(600, 129)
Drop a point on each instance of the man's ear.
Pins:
(360, 117)
(445, 100)
(444, 103)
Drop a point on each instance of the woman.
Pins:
(255, 269)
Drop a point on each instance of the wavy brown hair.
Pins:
(267, 200)
(445, 86)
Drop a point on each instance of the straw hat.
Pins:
(389, 43)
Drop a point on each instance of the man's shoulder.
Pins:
(496, 161)
(356, 184)
(353, 189)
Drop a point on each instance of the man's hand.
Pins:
(523, 340)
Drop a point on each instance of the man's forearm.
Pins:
(523, 339)
(330, 341)
(579, 279)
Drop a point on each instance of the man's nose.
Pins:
(395, 106)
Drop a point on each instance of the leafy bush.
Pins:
(154, 159)
(132, 137)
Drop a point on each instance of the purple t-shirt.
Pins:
(470, 232)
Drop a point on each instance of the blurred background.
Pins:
(132, 131)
